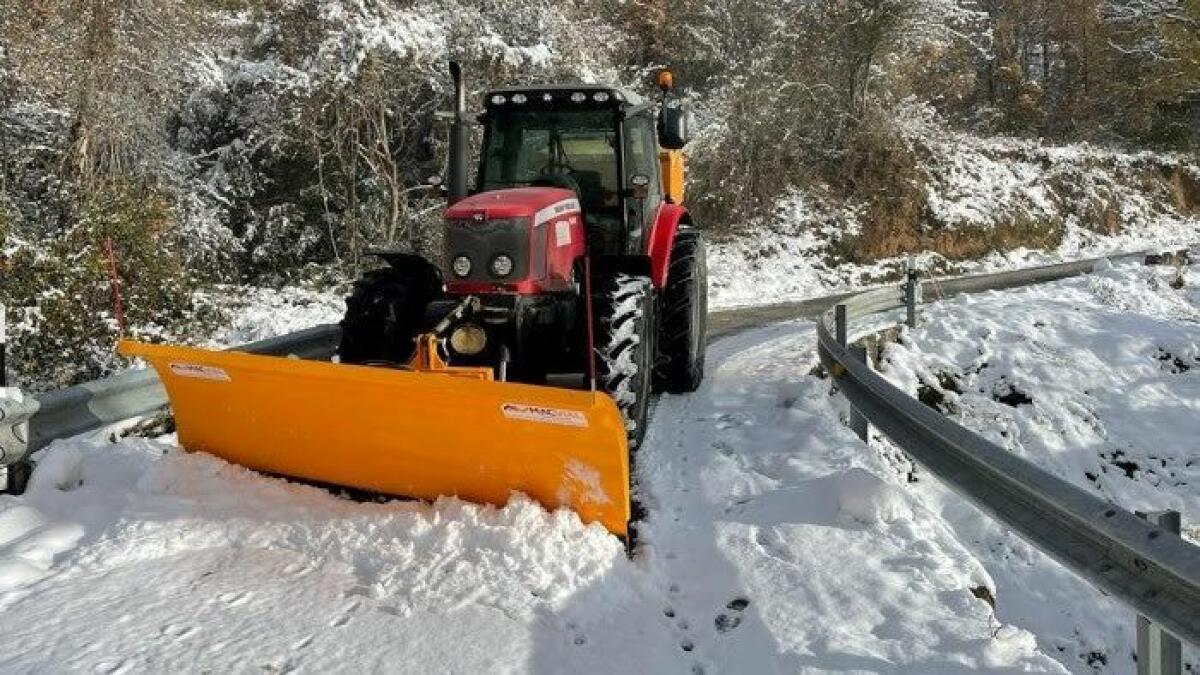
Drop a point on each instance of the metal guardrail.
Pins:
(75, 410)
(1147, 567)
(67, 412)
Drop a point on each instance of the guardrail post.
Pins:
(839, 318)
(858, 421)
(912, 292)
(1159, 652)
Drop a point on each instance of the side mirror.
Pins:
(674, 127)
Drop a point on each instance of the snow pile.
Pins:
(865, 498)
(1096, 380)
(178, 561)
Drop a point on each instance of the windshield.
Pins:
(574, 149)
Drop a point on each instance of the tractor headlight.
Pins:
(502, 265)
(461, 266)
(468, 339)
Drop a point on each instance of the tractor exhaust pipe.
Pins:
(457, 179)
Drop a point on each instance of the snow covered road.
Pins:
(775, 542)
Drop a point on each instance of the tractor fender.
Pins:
(662, 239)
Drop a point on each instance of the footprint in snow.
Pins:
(236, 598)
(177, 631)
(344, 618)
(726, 622)
(111, 668)
(297, 569)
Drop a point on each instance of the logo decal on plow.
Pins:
(199, 372)
(533, 413)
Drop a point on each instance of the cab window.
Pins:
(573, 149)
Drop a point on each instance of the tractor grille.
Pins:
(483, 240)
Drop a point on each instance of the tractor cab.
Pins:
(597, 142)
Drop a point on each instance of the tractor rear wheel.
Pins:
(624, 307)
(684, 321)
(384, 314)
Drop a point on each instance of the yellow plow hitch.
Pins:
(428, 431)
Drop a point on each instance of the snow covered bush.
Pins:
(60, 296)
(793, 118)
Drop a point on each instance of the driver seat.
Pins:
(591, 190)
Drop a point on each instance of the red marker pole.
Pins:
(115, 281)
(591, 330)
(3, 349)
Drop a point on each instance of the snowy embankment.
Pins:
(1096, 380)
(1095, 201)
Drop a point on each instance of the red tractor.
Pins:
(571, 261)
(570, 256)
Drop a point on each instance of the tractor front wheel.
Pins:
(624, 309)
(384, 313)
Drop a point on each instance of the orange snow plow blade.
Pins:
(415, 433)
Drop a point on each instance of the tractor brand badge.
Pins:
(479, 216)
(566, 205)
(199, 372)
(555, 210)
(533, 413)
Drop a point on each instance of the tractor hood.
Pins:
(519, 240)
(537, 203)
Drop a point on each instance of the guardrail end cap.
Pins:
(16, 409)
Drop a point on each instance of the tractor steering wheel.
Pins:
(550, 177)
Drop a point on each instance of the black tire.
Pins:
(385, 312)
(624, 307)
(683, 327)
